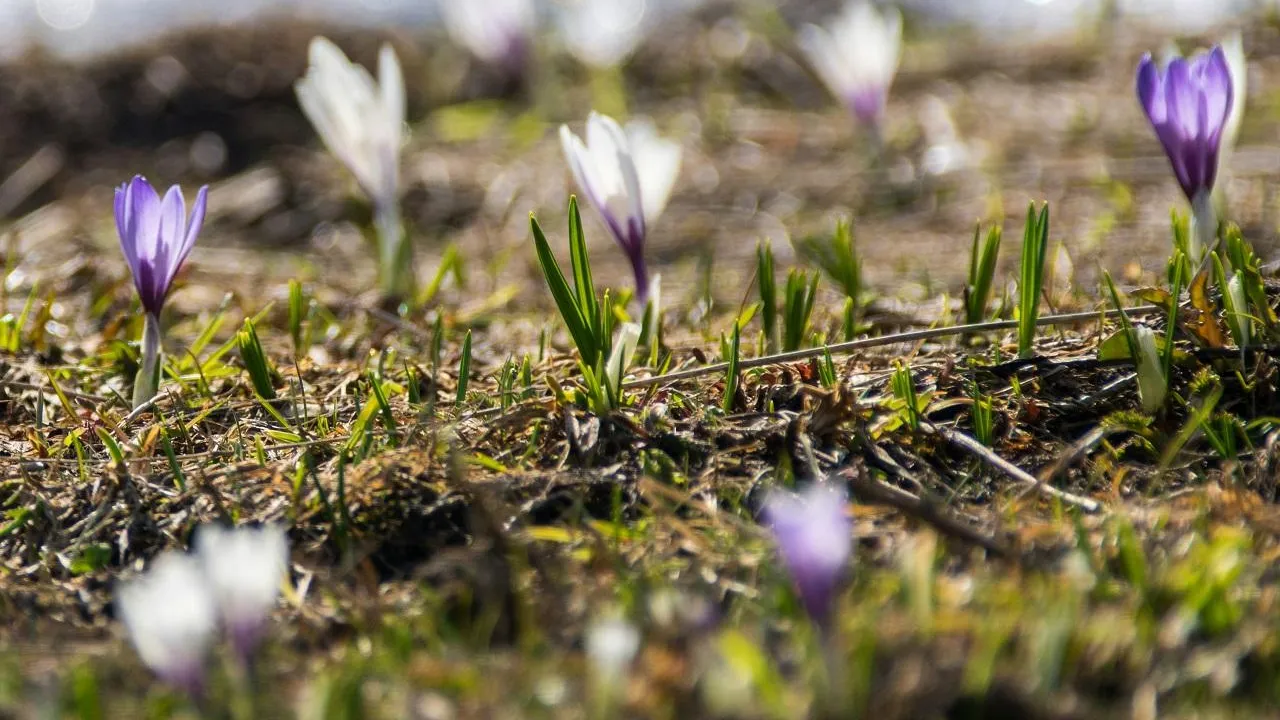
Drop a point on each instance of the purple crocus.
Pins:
(156, 235)
(1188, 103)
(815, 539)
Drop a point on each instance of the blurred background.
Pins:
(997, 102)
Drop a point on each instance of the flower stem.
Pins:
(1204, 227)
(147, 382)
(395, 253)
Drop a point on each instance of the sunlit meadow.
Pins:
(614, 359)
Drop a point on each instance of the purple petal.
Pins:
(814, 539)
(1188, 105)
(194, 224)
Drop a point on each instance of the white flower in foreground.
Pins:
(1152, 384)
(611, 645)
(498, 32)
(628, 177)
(243, 568)
(362, 124)
(857, 55)
(171, 619)
(602, 33)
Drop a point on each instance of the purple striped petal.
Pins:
(1188, 103)
(155, 236)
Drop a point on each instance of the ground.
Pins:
(450, 559)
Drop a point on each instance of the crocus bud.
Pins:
(628, 177)
(243, 568)
(499, 32)
(171, 618)
(856, 55)
(156, 235)
(815, 540)
(1152, 384)
(1188, 103)
(362, 124)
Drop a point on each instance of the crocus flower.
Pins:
(156, 235)
(856, 56)
(1188, 103)
(171, 619)
(815, 539)
(362, 124)
(628, 177)
(243, 568)
(499, 32)
(603, 33)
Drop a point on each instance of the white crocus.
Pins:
(244, 568)
(856, 55)
(602, 33)
(362, 123)
(498, 32)
(1152, 384)
(627, 176)
(171, 619)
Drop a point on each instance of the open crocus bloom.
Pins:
(815, 539)
(628, 177)
(243, 568)
(156, 236)
(856, 56)
(498, 32)
(362, 124)
(603, 33)
(1188, 103)
(171, 619)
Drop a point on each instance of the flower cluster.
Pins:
(173, 610)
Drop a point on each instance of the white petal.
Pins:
(603, 33)
(657, 163)
(244, 568)
(169, 613)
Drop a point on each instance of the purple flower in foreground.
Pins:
(156, 236)
(815, 539)
(1188, 103)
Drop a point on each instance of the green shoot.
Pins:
(1035, 242)
(261, 374)
(768, 295)
(797, 308)
(982, 417)
(904, 389)
(731, 375)
(464, 370)
(982, 270)
(298, 306)
(837, 256)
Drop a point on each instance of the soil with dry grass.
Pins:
(449, 556)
